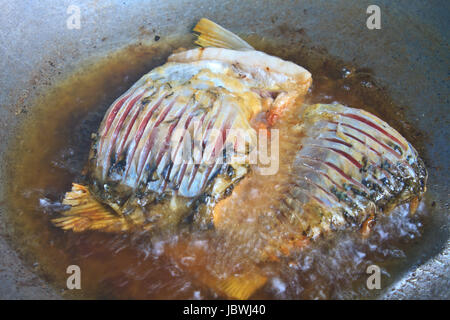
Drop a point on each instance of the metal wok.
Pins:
(409, 55)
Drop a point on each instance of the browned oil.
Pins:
(52, 148)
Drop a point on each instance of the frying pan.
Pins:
(409, 55)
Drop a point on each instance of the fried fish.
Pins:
(165, 155)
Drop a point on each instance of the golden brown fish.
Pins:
(159, 150)
(178, 145)
(348, 167)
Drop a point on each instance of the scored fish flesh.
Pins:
(348, 167)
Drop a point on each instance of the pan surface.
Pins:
(409, 55)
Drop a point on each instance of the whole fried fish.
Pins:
(159, 151)
(166, 153)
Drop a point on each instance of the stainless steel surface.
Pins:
(409, 55)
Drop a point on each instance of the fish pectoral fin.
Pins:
(213, 35)
(87, 213)
(367, 226)
(237, 286)
(281, 105)
(413, 205)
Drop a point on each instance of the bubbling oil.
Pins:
(52, 148)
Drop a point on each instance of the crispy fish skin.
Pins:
(353, 165)
(137, 130)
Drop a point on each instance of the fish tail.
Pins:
(87, 213)
(239, 287)
(210, 34)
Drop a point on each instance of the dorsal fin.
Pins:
(210, 34)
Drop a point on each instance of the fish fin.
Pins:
(87, 213)
(210, 34)
(234, 286)
(239, 287)
(413, 205)
(279, 107)
(367, 226)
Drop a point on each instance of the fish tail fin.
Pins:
(210, 34)
(87, 213)
(239, 287)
